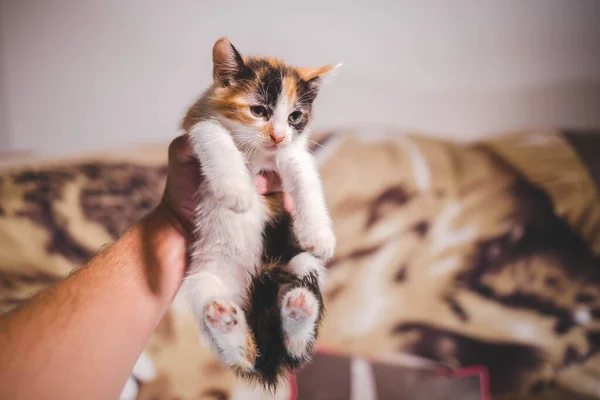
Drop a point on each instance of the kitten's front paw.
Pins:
(221, 315)
(235, 194)
(317, 240)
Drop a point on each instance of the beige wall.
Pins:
(89, 74)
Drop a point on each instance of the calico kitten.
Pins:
(256, 273)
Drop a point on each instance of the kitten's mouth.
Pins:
(272, 146)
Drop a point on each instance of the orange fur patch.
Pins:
(229, 104)
(250, 354)
(267, 130)
(233, 101)
(251, 351)
(274, 203)
(310, 73)
(289, 88)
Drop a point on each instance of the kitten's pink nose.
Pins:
(277, 138)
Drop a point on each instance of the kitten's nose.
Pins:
(277, 138)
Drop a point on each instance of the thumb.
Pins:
(268, 182)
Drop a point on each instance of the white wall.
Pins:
(4, 133)
(85, 74)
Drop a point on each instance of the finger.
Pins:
(268, 182)
(288, 203)
(181, 150)
(274, 183)
(262, 184)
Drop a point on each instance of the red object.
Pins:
(294, 386)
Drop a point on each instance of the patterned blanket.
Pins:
(466, 254)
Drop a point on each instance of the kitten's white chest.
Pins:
(263, 162)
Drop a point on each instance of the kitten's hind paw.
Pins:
(229, 332)
(221, 315)
(299, 304)
(299, 313)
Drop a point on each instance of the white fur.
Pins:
(299, 330)
(230, 216)
(305, 263)
(223, 165)
(301, 180)
(230, 340)
(229, 221)
(130, 390)
(143, 371)
(280, 117)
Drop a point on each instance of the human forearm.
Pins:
(81, 338)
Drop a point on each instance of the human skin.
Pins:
(81, 338)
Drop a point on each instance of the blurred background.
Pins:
(468, 266)
(93, 74)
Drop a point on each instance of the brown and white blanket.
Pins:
(485, 253)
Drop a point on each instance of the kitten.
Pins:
(256, 273)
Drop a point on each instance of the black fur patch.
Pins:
(264, 319)
(270, 87)
(306, 96)
(279, 240)
(263, 304)
(268, 81)
(301, 124)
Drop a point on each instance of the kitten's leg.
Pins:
(304, 264)
(223, 165)
(300, 307)
(312, 223)
(227, 325)
(222, 318)
(299, 313)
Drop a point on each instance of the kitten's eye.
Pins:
(258, 111)
(295, 116)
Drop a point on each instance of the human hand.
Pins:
(184, 178)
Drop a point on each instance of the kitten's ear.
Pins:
(316, 76)
(227, 62)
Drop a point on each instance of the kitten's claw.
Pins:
(221, 315)
(319, 241)
(299, 304)
(236, 195)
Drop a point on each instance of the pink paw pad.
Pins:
(221, 315)
(300, 304)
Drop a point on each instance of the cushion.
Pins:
(466, 254)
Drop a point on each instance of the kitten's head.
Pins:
(265, 103)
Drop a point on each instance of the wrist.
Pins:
(167, 244)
